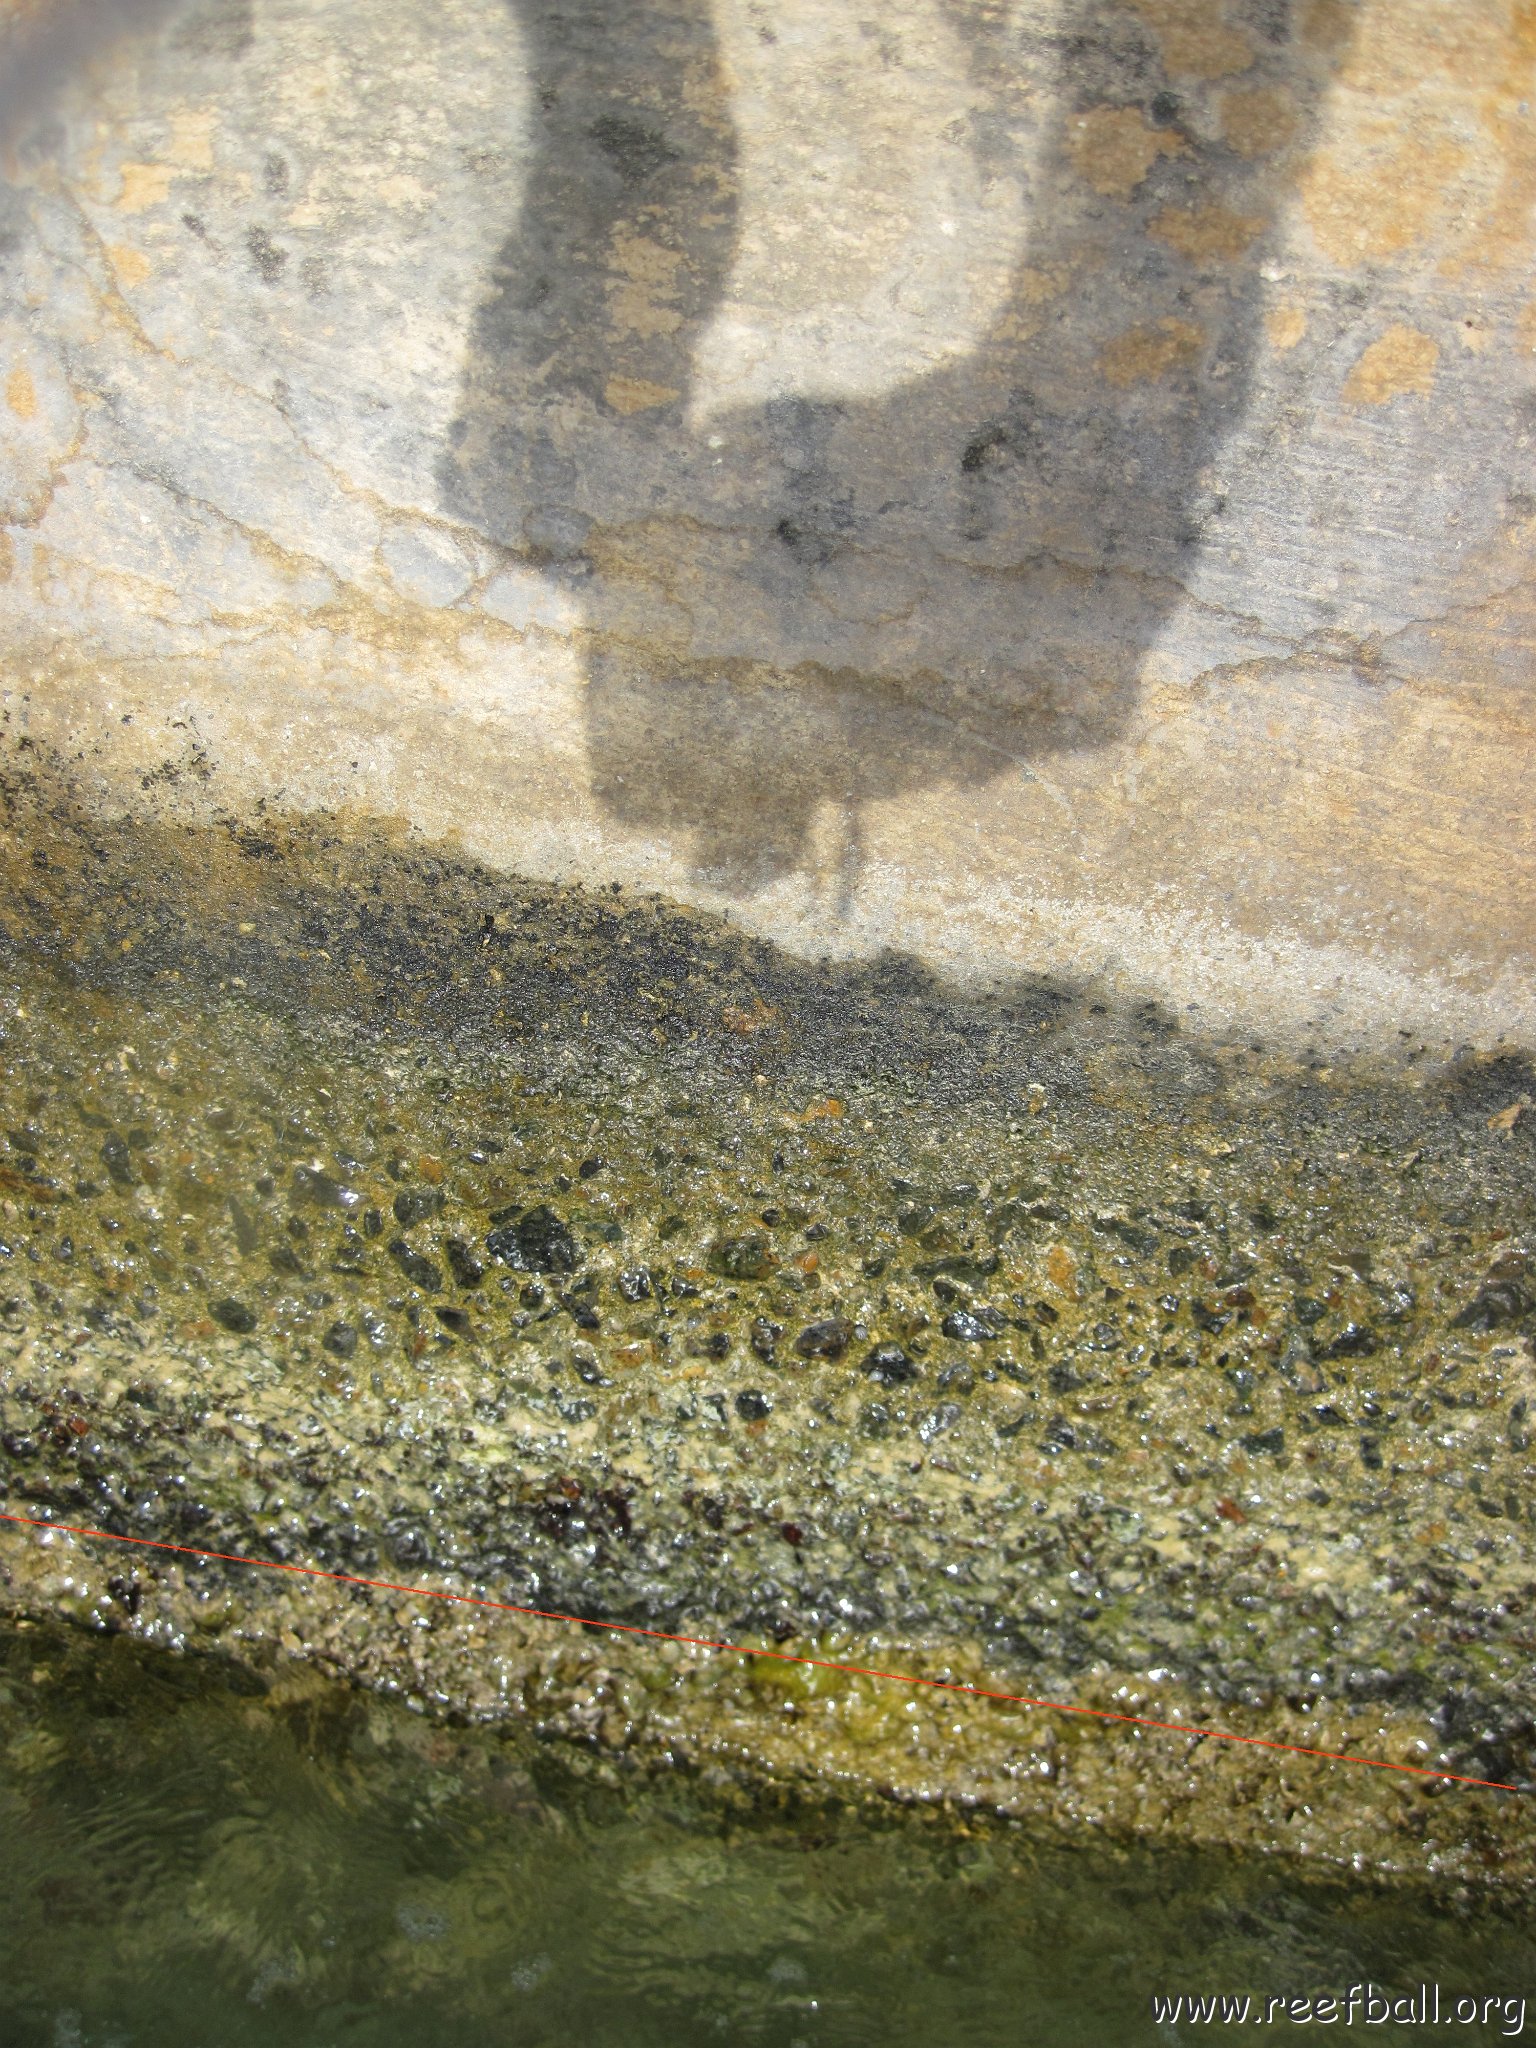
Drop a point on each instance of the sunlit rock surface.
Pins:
(1044, 487)
(767, 870)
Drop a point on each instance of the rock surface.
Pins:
(714, 718)
(360, 1211)
(1048, 487)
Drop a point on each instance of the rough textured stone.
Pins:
(363, 1210)
(1049, 486)
(1038, 492)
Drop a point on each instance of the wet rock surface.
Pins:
(434, 1231)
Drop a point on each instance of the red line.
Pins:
(628, 1628)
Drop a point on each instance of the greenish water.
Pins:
(194, 1860)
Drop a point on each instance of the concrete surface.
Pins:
(1044, 487)
(363, 1211)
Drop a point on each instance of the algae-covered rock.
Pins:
(1202, 1393)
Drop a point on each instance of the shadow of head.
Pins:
(828, 596)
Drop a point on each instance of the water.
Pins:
(195, 1860)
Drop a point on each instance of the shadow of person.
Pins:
(801, 600)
